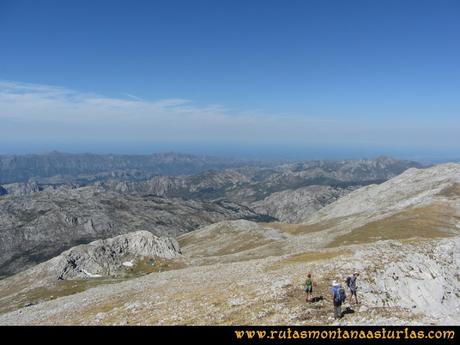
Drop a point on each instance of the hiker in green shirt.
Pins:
(309, 287)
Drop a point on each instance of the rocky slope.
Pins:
(37, 227)
(403, 236)
(294, 206)
(417, 285)
(254, 183)
(345, 172)
(228, 237)
(425, 198)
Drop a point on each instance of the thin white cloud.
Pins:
(165, 119)
(36, 112)
(133, 97)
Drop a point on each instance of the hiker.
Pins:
(351, 283)
(338, 297)
(309, 287)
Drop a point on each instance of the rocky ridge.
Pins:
(58, 167)
(110, 257)
(431, 187)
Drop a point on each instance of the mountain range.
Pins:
(58, 167)
(244, 237)
(38, 221)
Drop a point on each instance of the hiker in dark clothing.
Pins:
(309, 287)
(338, 297)
(351, 282)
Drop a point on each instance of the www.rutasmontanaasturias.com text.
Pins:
(339, 333)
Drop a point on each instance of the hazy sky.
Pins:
(219, 76)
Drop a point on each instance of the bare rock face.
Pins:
(21, 188)
(420, 277)
(109, 257)
(430, 284)
(295, 206)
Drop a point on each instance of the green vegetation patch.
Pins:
(222, 240)
(58, 289)
(148, 265)
(300, 229)
(434, 221)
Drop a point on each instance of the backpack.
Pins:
(339, 295)
(342, 294)
(348, 281)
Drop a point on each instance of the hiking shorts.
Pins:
(309, 289)
(353, 291)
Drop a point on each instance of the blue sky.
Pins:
(324, 77)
